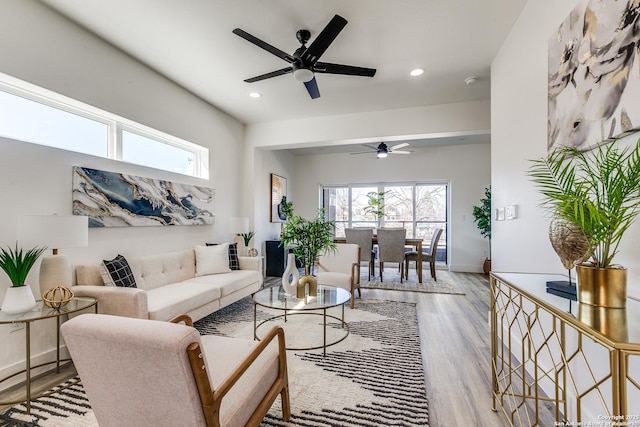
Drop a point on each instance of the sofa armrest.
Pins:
(251, 263)
(119, 301)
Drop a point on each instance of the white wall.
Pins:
(518, 126)
(42, 48)
(466, 167)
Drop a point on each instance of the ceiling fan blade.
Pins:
(324, 39)
(364, 152)
(312, 88)
(400, 152)
(350, 70)
(269, 75)
(264, 45)
(398, 146)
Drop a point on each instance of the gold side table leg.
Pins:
(28, 361)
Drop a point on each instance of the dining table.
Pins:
(409, 241)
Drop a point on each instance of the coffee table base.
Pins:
(325, 344)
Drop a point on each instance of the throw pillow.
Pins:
(117, 272)
(234, 263)
(212, 259)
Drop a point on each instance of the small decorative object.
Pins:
(307, 284)
(598, 192)
(252, 252)
(572, 246)
(57, 297)
(17, 264)
(290, 276)
(482, 218)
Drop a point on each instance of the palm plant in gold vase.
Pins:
(597, 192)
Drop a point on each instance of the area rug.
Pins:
(446, 283)
(372, 378)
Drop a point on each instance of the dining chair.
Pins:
(165, 374)
(428, 255)
(363, 237)
(391, 248)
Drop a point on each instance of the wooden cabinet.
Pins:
(558, 362)
(276, 259)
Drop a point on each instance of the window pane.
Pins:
(145, 151)
(398, 207)
(31, 121)
(359, 201)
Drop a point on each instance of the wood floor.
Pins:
(455, 345)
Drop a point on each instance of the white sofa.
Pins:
(167, 286)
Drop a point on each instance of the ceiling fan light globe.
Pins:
(303, 75)
(382, 154)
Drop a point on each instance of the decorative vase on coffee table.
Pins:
(290, 276)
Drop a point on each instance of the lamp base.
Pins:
(54, 271)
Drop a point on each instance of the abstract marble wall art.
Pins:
(112, 199)
(594, 79)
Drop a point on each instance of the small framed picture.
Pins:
(500, 214)
(277, 196)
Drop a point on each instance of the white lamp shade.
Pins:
(53, 231)
(239, 225)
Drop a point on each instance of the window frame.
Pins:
(115, 125)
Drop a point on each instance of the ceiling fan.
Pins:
(382, 150)
(304, 61)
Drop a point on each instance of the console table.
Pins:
(557, 361)
(39, 313)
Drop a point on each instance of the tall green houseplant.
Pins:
(599, 191)
(307, 238)
(376, 205)
(482, 216)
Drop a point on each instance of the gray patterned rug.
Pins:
(372, 378)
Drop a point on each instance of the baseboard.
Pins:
(47, 356)
(463, 268)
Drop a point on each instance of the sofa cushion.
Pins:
(228, 283)
(154, 271)
(212, 259)
(171, 300)
(234, 263)
(117, 272)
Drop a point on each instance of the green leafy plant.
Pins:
(17, 263)
(599, 191)
(307, 238)
(247, 237)
(482, 214)
(376, 204)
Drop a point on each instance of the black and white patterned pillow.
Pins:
(234, 263)
(117, 272)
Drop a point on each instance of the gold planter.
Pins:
(602, 287)
(611, 322)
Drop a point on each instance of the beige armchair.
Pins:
(341, 268)
(148, 372)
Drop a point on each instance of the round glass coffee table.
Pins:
(275, 298)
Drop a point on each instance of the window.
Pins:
(32, 114)
(420, 208)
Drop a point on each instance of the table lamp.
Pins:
(54, 232)
(239, 226)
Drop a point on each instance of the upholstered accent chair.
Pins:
(156, 373)
(428, 255)
(341, 268)
(391, 248)
(363, 237)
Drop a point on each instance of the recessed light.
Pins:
(417, 72)
(255, 95)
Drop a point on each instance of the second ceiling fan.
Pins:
(305, 60)
(382, 150)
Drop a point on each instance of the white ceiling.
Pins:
(191, 43)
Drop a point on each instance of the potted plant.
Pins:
(376, 205)
(247, 239)
(307, 238)
(17, 264)
(482, 218)
(599, 192)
